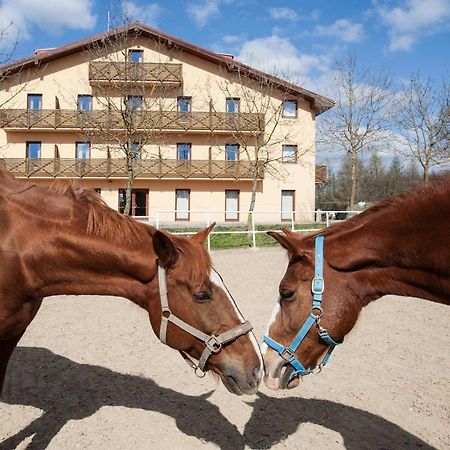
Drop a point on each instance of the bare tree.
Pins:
(421, 119)
(132, 99)
(262, 98)
(359, 120)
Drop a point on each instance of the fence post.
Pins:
(253, 230)
(209, 237)
(157, 220)
(292, 221)
(327, 218)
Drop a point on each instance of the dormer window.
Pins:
(290, 109)
(135, 56)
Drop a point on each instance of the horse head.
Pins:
(308, 320)
(193, 312)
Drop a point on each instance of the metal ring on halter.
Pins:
(317, 316)
(199, 373)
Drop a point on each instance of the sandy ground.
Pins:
(89, 373)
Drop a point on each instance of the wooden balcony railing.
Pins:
(66, 119)
(123, 72)
(116, 168)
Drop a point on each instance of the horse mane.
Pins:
(407, 202)
(107, 223)
(101, 220)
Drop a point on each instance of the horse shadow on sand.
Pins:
(66, 390)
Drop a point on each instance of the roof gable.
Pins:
(318, 102)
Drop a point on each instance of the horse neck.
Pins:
(75, 263)
(395, 254)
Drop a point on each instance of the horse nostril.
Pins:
(256, 372)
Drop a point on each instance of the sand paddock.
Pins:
(89, 373)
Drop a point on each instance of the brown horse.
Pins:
(63, 240)
(400, 246)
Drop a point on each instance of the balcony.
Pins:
(171, 121)
(116, 168)
(110, 72)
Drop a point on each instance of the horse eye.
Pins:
(287, 295)
(202, 296)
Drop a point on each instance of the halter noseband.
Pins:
(317, 288)
(213, 343)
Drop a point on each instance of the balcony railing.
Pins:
(144, 169)
(126, 72)
(66, 119)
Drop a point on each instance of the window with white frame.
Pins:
(135, 56)
(231, 152)
(231, 205)
(182, 197)
(134, 103)
(184, 104)
(289, 154)
(287, 205)
(82, 150)
(290, 108)
(232, 105)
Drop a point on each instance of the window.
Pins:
(98, 191)
(182, 200)
(33, 150)
(287, 205)
(184, 104)
(82, 150)
(34, 101)
(183, 151)
(232, 105)
(289, 154)
(139, 200)
(231, 205)
(290, 108)
(231, 152)
(84, 102)
(134, 102)
(135, 56)
(135, 151)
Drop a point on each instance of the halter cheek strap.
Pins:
(213, 343)
(317, 288)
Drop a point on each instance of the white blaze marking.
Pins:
(273, 318)
(217, 280)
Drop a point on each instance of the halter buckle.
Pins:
(213, 344)
(317, 285)
(287, 354)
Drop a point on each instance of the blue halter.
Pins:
(317, 288)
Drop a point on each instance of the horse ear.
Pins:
(165, 249)
(286, 240)
(202, 235)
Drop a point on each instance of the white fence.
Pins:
(299, 221)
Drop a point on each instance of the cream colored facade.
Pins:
(60, 76)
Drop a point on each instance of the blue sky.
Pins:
(299, 39)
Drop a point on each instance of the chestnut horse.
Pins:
(400, 246)
(62, 240)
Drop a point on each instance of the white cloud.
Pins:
(342, 29)
(412, 20)
(283, 14)
(280, 57)
(202, 12)
(49, 15)
(148, 14)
